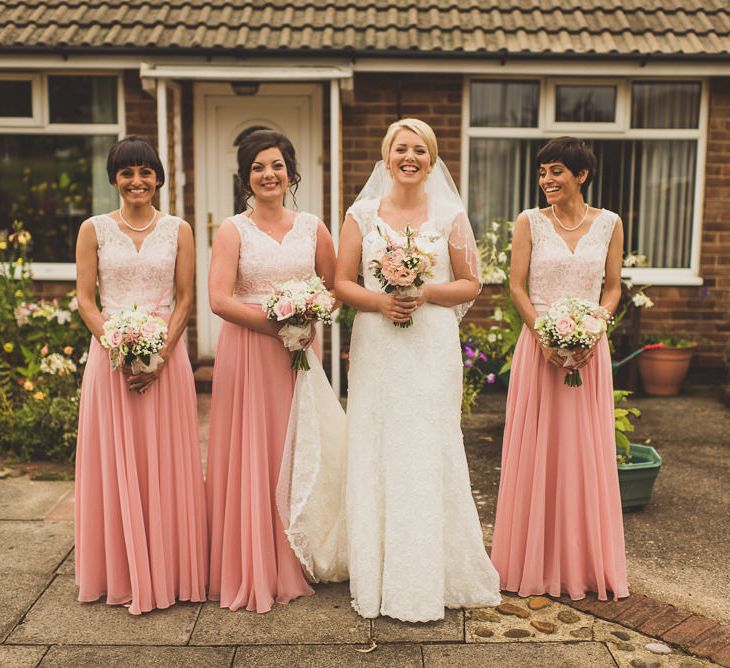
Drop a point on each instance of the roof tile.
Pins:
(525, 27)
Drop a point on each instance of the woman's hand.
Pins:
(396, 309)
(582, 356)
(551, 356)
(142, 382)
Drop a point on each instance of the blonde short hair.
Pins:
(415, 125)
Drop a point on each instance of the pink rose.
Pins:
(149, 330)
(564, 326)
(44, 350)
(116, 338)
(284, 309)
(324, 300)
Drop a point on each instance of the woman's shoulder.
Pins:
(363, 209)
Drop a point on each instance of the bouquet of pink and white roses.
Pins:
(571, 324)
(134, 337)
(299, 304)
(403, 264)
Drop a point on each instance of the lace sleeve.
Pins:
(463, 249)
(363, 213)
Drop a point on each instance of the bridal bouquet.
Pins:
(571, 324)
(134, 337)
(403, 264)
(299, 304)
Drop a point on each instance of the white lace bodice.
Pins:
(128, 277)
(263, 262)
(556, 272)
(437, 229)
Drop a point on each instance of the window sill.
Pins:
(54, 271)
(651, 276)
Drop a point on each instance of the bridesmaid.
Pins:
(252, 564)
(559, 526)
(141, 537)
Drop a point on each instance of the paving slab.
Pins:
(17, 594)
(625, 651)
(479, 625)
(33, 547)
(450, 628)
(515, 655)
(26, 499)
(21, 657)
(329, 656)
(57, 618)
(68, 565)
(65, 509)
(139, 657)
(325, 618)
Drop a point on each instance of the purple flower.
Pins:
(469, 352)
(468, 363)
(491, 378)
(482, 357)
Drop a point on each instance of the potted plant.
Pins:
(663, 369)
(638, 465)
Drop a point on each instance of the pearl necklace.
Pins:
(138, 229)
(569, 229)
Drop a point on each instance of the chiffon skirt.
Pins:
(141, 535)
(251, 562)
(559, 526)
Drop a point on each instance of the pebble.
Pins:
(582, 632)
(544, 627)
(511, 609)
(483, 632)
(640, 663)
(657, 648)
(568, 617)
(517, 633)
(538, 603)
(485, 615)
(625, 646)
(621, 635)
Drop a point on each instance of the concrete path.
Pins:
(42, 624)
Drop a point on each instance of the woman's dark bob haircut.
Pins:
(251, 145)
(574, 153)
(133, 151)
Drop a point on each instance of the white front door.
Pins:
(220, 116)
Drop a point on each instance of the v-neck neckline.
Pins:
(266, 234)
(138, 251)
(580, 238)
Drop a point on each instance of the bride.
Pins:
(415, 541)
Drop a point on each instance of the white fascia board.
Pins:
(577, 66)
(69, 62)
(245, 72)
(652, 276)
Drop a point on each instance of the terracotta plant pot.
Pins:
(663, 370)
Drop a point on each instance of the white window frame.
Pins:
(62, 271)
(545, 130)
(36, 101)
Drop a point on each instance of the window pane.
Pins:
(674, 104)
(84, 99)
(649, 183)
(585, 104)
(16, 99)
(52, 184)
(511, 104)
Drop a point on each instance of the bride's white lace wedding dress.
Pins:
(415, 540)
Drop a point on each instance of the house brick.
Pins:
(689, 630)
(712, 642)
(665, 620)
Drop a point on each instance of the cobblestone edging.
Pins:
(693, 633)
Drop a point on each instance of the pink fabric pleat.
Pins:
(251, 562)
(141, 534)
(559, 527)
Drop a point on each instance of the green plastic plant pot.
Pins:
(636, 479)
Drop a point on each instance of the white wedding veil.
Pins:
(445, 208)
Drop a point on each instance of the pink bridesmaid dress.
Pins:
(559, 526)
(251, 562)
(141, 536)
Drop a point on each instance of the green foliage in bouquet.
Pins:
(43, 350)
